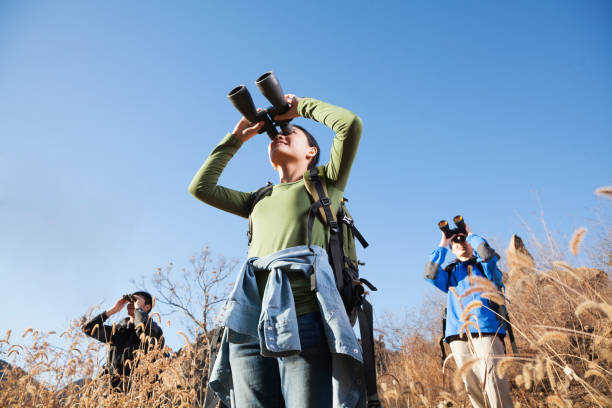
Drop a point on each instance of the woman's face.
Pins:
(291, 148)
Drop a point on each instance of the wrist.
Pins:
(239, 138)
(300, 106)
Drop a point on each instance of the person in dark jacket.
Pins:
(475, 258)
(126, 336)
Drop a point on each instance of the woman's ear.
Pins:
(312, 151)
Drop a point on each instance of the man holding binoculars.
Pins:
(125, 337)
(475, 258)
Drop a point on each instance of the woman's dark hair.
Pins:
(312, 142)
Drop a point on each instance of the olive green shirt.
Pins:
(280, 220)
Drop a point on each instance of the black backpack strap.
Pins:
(443, 338)
(335, 246)
(449, 270)
(479, 266)
(210, 399)
(348, 220)
(366, 328)
(256, 197)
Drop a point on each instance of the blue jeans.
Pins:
(298, 381)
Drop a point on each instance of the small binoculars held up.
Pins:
(449, 232)
(270, 88)
(130, 298)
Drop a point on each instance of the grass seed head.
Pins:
(576, 240)
(605, 191)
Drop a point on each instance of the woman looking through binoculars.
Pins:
(280, 264)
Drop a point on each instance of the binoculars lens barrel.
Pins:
(243, 102)
(448, 232)
(458, 220)
(270, 87)
(241, 99)
(443, 225)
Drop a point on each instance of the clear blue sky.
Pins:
(109, 108)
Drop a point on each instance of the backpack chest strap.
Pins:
(317, 188)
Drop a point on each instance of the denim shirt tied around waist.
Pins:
(274, 322)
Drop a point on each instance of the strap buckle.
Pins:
(326, 201)
(347, 220)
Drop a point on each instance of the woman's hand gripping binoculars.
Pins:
(260, 120)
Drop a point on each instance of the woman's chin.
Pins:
(278, 158)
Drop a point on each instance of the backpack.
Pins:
(343, 259)
(342, 253)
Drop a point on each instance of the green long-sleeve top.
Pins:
(280, 220)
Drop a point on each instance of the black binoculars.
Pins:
(130, 298)
(270, 87)
(449, 232)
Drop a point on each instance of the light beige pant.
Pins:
(483, 372)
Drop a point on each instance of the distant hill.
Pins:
(6, 367)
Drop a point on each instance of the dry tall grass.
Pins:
(562, 318)
(49, 376)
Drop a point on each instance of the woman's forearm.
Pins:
(346, 125)
(204, 184)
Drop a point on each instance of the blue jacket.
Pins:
(246, 313)
(457, 278)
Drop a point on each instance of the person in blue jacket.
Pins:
(474, 258)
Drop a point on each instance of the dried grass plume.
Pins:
(605, 191)
(577, 239)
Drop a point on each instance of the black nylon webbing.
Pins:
(510, 333)
(210, 399)
(335, 246)
(366, 322)
(359, 237)
(325, 201)
(442, 339)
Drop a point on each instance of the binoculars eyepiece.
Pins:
(270, 87)
(449, 232)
